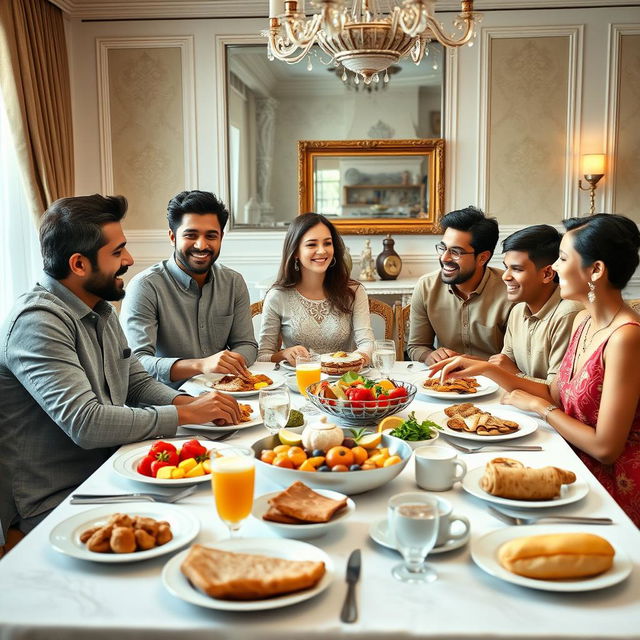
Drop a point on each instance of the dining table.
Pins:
(48, 594)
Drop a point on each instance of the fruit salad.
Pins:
(166, 462)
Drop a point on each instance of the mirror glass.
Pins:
(271, 106)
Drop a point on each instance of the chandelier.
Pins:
(362, 38)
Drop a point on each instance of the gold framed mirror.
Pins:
(373, 186)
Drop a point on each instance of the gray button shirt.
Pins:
(69, 388)
(167, 317)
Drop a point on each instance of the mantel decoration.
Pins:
(367, 274)
(388, 263)
(362, 38)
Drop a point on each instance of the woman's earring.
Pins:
(296, 264)
(333, 262)
(591, 296)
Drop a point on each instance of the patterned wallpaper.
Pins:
(147, 136)
(627, 178)
(527, 127)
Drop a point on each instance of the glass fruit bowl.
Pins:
(362, 412)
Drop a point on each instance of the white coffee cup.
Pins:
(437, 468)
(446, 520)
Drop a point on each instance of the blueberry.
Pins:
(316, 453)
(355, 467)
(324, 467)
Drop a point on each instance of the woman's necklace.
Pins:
(587, 343)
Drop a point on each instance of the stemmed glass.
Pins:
(384, 356)
(414, 521)
(307, 372)
(232, 481)
(274, 408)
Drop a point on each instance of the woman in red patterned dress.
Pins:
(593, 401)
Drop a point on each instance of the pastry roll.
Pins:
(508, 478)
(557, 556)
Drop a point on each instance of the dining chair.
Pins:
(385, 311)
(402, 328)
(256, 310)
(634, 303)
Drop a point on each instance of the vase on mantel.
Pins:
(388, 263)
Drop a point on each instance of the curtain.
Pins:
(34, 79)
(20, 261)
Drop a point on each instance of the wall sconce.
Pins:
(593, 170)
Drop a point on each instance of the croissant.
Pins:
(509, 478)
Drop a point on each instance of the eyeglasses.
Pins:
(455, 252)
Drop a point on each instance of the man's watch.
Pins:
(547, 410)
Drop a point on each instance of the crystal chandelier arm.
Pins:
(301, 32)
(285, 47)
(415, 20)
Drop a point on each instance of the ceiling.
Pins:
(149, 9)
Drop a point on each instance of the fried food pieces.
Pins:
(240, 383)
(470, 419)
(126, 534)
(300, 505)
(242, 576)
(245, 412)
(453, 385)
(509, 478)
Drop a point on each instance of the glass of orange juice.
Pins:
(232, 479)
(307, 372)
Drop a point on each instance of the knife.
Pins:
(349, 611)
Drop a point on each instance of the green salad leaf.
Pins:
(412, 430)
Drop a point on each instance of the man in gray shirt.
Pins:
(188, 315)
(70, 389)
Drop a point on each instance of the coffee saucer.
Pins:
(379, 533)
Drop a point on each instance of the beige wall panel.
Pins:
(528, 85)
(627, 178)
(147, 132)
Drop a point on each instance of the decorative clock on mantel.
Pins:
(388, 263)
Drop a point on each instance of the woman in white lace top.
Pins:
(314, 305)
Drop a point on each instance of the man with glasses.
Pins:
(462, 307)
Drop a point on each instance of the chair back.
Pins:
(634, 303)
(256, 310)
(402, 328)
(385, 311)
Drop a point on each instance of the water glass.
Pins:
(274, 408)
(384, 356)
(414, 519)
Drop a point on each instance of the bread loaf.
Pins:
(557, 556)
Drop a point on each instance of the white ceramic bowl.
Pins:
(414, 444)
(302, 531)
(347, 482)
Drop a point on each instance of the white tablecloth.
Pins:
(44, 594)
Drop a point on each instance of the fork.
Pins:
(88, 498)
(494, 447)
(277, 367)
(514, 520)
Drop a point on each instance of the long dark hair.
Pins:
(609, 237)
(337, 279)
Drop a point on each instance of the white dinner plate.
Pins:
(484, 551)
(302, 531)
(125, 463)
(65, 536)
(487, 387)
(198, 384)
(379, 532)
(527, 424)
(178, 584)
(210, 426)
(568, 493)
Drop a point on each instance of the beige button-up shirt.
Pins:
(537, 342)
(439, 318)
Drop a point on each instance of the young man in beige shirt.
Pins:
(539, 326)
(462, 307)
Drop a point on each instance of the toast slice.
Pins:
(241, 576)
(298, 501)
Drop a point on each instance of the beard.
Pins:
(185, 258)
(458, 276)
(106, 286)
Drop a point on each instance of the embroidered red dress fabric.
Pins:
(580, 397)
